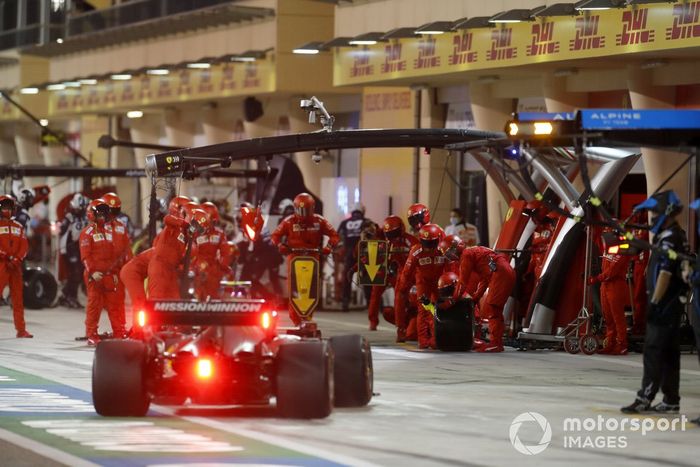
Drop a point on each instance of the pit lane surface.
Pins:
(431, 409)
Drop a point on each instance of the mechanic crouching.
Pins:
(425, 265)
(302, 234)
(493, 272)
(101, 259)
(13, 249)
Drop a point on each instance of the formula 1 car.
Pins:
(227, 353)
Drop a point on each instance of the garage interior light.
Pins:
(158, 72)
(43, 122)
(199, 65)
(56, 87)
(88, 81)
(369, 38)
(71, 84)
(29, 91)
(512, 16)
(434, 28)
(134, 114)
(558, 9)
(597, 5)
(473, 23)
(310, 48)
(121, 77)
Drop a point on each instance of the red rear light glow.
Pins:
(613, 250)
(266, 320)
(205, 368)
(141, 318)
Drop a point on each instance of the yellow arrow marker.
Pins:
(372, 267)
(304, 272)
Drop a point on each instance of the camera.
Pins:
(316, 157)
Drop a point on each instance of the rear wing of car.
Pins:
(236, 312)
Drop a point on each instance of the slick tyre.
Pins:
(118, 379)
(304, 382)
(352, 370)
(40, 288)
(453, 328)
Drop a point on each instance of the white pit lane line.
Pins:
(44, 450)
(254, 435)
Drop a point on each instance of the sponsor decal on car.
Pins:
(224, 307)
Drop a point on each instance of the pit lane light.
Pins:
(518, 129)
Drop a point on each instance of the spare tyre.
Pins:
(352, 370)
(40, 288)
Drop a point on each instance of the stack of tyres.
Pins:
(453, 327)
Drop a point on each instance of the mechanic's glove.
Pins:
(424, 300)
(97, 276)
(326, 250)
(593, 280)
(284, 250)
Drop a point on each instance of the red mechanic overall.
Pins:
(496, 274)
(169, 250)
(208, 263)
(426, 264)
(133, 275)
(13, 249)
(303, 230)
(614, 293)
(400, 244)
(101, 260)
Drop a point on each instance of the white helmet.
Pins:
(285, 204)
(26, 197)
(79, 202)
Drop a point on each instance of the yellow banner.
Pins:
(219, 81)
(593, 34)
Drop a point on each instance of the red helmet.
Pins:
(430, 236)
(393, 227)
(211, 209)
(199, 218)
(7, 206)
(418, 215)
(304, 205)
(98, 210)
(189, 207)
(114, 203)
(447, 285)
(176, 204)
(451, 247)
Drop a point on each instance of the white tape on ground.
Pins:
(44, 450)
(277, 441)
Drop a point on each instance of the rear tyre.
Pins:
(118, 379)
(453, 327)
(305, 379)
(40, 288)
(352, 370)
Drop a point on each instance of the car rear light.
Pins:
(266, 320)
(205, 368)
(141, 318)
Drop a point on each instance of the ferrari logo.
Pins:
(509, 213)
(169, 160)
(425, 234)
